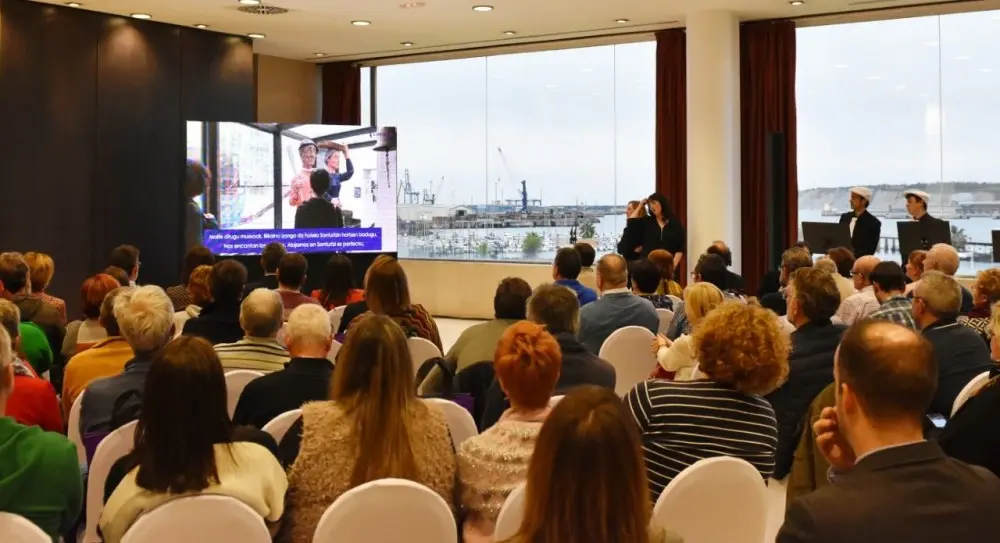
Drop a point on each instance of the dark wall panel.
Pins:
(217, 77)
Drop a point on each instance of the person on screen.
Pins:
(318, 212)
(865, 228)
(196, 179)
(308, 151)
(332, 194)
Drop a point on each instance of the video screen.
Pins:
(314, 188)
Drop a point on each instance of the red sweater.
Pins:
(34, 403)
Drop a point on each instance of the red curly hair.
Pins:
(742, 346)
(527, 363)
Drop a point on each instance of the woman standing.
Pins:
(627, 246)
(661, 229)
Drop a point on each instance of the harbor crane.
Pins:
(524, 201)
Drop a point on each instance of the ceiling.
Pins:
(324, 26)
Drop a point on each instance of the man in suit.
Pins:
(734, 281)
(270, 259)
(865, 228)
(916, 206)
(791, 260)
(888, 482)
(616, 308)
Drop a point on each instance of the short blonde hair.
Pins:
(309, 323)
(941, 294)
(944, 257)
(988, 284)
(700, 299)
(826, 264)
(742, 346)
(42, 268)
(145, 316)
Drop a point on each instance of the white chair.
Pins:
(116, 445)
(417, 513)
(628, 350)
(17, 529)
(509, 519)
(278, 426)
(336, 315)
(461, 425)
(334, 349)
(666, 316)
(968, 390)
(73, 429)
(199, 519)
(422, 350)
(674, 299)
(777, 490)
(710, 489)
(236, 381)
(553, 401)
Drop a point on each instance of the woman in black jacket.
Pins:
(661, 229)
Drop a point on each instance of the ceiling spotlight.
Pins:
(250, 2)
(410, 5)
(796, 2)
(509, 32)
(141, 16)
(361, 23)
(482, 9)
(73, 4)
(319, 54)
(621, 21)
(986, 70)
(256, 36)
(200, 26)
(406, 44)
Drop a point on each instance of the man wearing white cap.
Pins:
(865, 228)
(916, 206)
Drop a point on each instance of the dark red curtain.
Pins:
(767, 104)
(341, 93)
(671, 123)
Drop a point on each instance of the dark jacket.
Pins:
(303, 380)
(867, 231)
(46, 317)
(971, 435)
(961, 355)
(810, 370)
(967, 301)
(100, 398)
(912, 493)
(735, 282)
(645, 232)
(771, 282)
(350, 313)
(218, 323)
(579, 367)
(268, 281)
(318, 213)
(776, 302)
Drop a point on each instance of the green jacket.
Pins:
(35, 347)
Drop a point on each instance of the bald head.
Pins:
(261, 313)
(612, 272)
(719, 247)
(943, 258)
(862, 271)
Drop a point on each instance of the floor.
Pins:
(450, 329)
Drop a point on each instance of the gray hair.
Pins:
(941, 293)
(10, 318)
(826, 264)
(261, 313)
(309, 323)
(944, 257)
(145, 316)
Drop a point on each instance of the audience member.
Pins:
(616, 308)
(889, 484)
(478, 342)
(812, 301)
(387, 292)
(915, 265)
(664, 262)
(39, 475)
(356, 309)
(771, 282)
(42, 269)
(261, 316)
(944, 258)
(84, 334)
(557, 309)
(889, 286)
(709, 269)
(959, 352)
(270, 258)
(291, 279)
(198, 296)
(985, 293)
(844, 259)
(565, 271)
(196, 257)
(317, 212)
(791, 260)
(145, 318)
(33, 348)
(587, 277)
(373, 427)
(219, 321)
(306, 377)
(859, 306)
(184, 444)
(32, 401)
(118, 274)
(810, 470)
(845, 287)
(16, 280)
(338, 284)
(126, 257)
(679, 356)
(105, 359)
(734, 281)
(493, 463)
(645, 282)
(588, 433)
(744, 355)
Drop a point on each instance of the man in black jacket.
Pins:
(219, 321)
(270, 258)
(916, 206)
(865, 228)
(317, 212)
(791, 260)
(734, 281)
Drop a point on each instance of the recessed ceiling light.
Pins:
(410, 5)
(361, 23)
(796, 2)
(250, 2)
(406, 43)
(932, 44)
(319, 54)
(141, 16)
(874, 77)
(900, 87)
(843, 66)
(550, 85)
(200, 26)
(256, 36)
(482, 8)
(73, 4)
(509, 32)
(963, 57)
(986, 70)
(621, 21)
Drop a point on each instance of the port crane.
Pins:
(522, 203)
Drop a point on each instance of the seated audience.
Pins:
(734, 281)
(944, 258)
(845, 287)
(791, 260)
(198, 296)
(678, 356)
(616, 308)
(565, 271)
(180, 294)
(889, 286)
(493, 463)
(108, 357)
(859, 306)
(261, 316)
(145, 318)
(587, 257)
(317, 212)
(888, 483)
(478, 342)
(39, 476)
(812, 301)
(126, 257)
(915, 266)
(32, 401)
(306, 377)
(219, 320)
(709, 269)
(356, 309)
(270, 258)
(588, 433)
(84, 334)
(843, 257)
(184, 445)
(338, 284)
(743, 354)
(557, 309)
(810, 470)
(291, 279)
(771, 282)
(42, 268)
(373, 427)
(16, 280)
(33, 348)
(959, 352)
(387, 292)
(118, 274)
(985, 293)
(664, 262)
(645, 281)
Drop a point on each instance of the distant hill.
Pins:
(891, 196)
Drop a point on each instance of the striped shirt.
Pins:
(683, 422)
(253, 353)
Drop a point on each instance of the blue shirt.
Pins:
(336, 179)
(586, 295)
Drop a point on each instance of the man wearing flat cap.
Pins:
(865, 228)
(916, 206)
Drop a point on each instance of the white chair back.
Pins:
(461, 425)
(336, 315)
(710, 489)
(666, 316)
(422, 350)
(236, 381)
(553, 401)
(116, 445)
(334, 349)
(199, 519)
(17, 529)
(628, 350)
(674, 299)
(968, 390)
(509, 519)
(419, 515)
(73, 429)
(278, 426)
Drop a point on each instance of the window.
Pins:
(246, 177)
(899, 104)
(505, 157)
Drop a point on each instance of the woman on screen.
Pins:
(309, 151)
